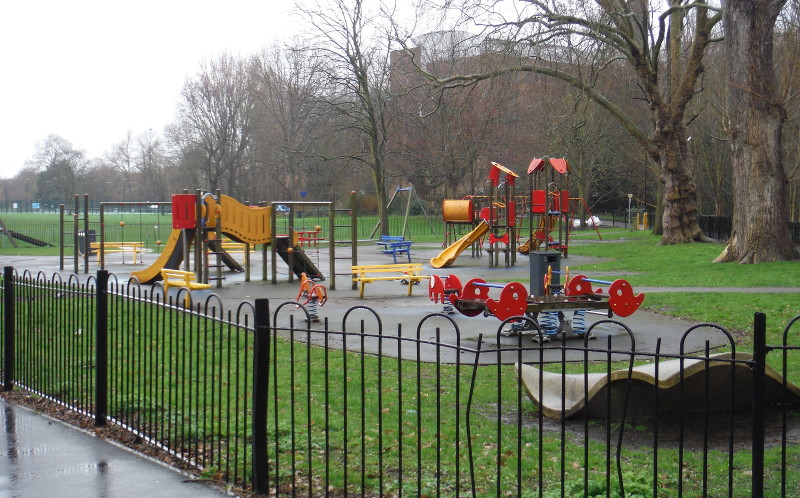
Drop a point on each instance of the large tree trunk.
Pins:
(760, 210)
(679, 218)
(658, 217)
(379, 180)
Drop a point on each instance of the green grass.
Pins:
(151, 227)
(637, 256)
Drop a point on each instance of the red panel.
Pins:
(183, 212)
(493, 239)
(539, 199)
(511, 213)
(565, 201)
(471, 291)
(494, 175)
(556, 202)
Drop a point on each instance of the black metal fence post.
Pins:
(759, 358)
(261, 342)
(8, 328)
(101, 350)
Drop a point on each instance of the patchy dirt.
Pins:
(715, 432)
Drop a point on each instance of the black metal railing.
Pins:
(719, 227)
(259, 398)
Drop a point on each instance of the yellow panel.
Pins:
(245, 223)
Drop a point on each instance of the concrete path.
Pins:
(42, 457)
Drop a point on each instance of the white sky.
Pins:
(91, 70)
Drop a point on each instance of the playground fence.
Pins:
(719, 227)
(259, 399)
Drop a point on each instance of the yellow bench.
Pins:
(183, 279)
(410, 272)
(232, 247)
(107, 247)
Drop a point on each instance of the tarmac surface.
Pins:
(42, 457)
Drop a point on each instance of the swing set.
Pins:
(98, 238)
(411, 194)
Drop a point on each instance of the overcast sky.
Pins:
(90, 70)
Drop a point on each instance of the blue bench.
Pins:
(395, 248)
(387, 240)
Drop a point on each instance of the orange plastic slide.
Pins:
(446, 257)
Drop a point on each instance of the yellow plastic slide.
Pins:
(450, 254)
(150, 273)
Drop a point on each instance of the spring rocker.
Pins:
(578, 296)
(312, 295)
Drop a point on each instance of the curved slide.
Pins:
(446, 257)
(170, 257)
(298, 260)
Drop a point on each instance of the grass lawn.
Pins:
(637, 257)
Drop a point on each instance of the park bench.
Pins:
(232, 247)
(405, 272)
(387, 240)
(396, 248)
(107, 247)
(183, 279)
(308, 237)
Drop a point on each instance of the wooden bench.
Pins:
(409, 272)
(106, 247)
(183, 279)
(396, 248)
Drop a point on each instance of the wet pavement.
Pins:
(42, 456)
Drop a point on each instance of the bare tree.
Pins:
(543, 34)
(121, 159)
(151, 164)
(787, 59)
(286, 85)
(215, 111)
(57, 163)
(447, 141)
(356, 57)
(761, 211)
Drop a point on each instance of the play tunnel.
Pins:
(458, 211)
